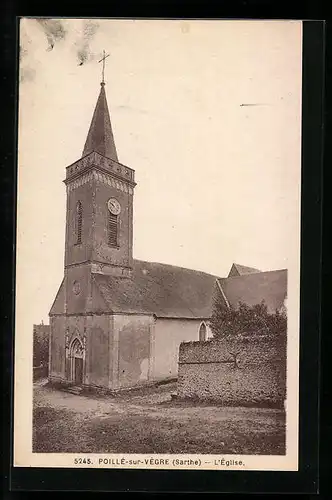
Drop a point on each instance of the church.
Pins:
(117, 322)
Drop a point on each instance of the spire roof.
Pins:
(100, 136)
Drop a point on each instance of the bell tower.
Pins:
(98, 240)
(99, 217)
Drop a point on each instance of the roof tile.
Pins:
(159, 289)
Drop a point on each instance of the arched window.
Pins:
(76, 349)
(112, 230)
(78, 223)
(202, 331)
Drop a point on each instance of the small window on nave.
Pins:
(202, 332)
(78, 223)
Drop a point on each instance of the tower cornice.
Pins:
(99, 162)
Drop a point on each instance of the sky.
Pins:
(207, 113)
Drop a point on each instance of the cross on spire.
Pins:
(103, 71)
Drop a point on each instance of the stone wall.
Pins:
(95, 334)
(132, 350)
(98, 363)
(234, 372)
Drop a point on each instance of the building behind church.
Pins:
(117, 322)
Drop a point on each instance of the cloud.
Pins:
(84, 53)
(53, 29)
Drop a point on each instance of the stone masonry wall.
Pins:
(238, 371)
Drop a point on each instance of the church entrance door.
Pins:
(78, 371)
(77, 361)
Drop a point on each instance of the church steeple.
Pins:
(100, 136)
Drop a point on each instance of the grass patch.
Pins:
(67, 432)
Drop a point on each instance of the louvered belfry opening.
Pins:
(112, 230)
(79, 218)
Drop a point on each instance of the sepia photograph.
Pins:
(158, 244)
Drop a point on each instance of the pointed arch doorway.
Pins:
(76, 354)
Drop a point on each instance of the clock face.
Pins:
(114, 206)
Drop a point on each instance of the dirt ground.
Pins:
(150, 421)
